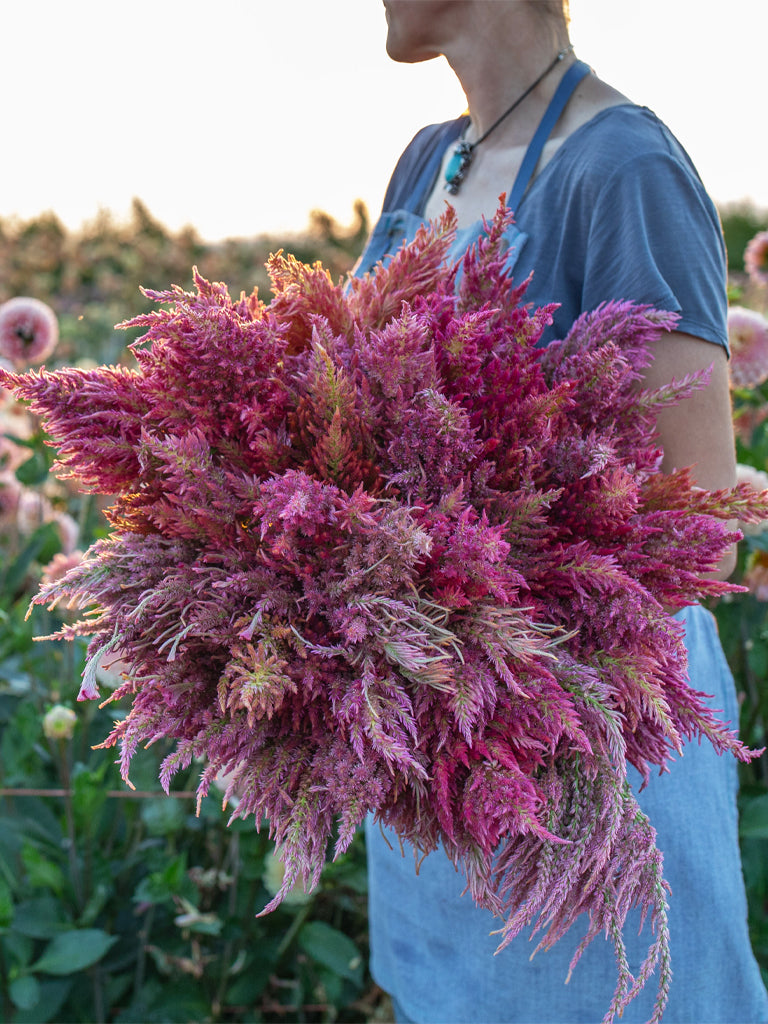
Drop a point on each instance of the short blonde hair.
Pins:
(557, 9)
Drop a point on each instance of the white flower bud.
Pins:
(59, 723)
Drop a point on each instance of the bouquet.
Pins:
(374, 552)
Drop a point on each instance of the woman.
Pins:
(607, 206)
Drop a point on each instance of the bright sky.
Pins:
(240, 116)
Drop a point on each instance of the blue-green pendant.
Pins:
(457, 167)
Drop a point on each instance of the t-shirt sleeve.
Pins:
(415, 169)
(406, 168)
(655, 237)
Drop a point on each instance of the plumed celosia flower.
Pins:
(272, 879)
(748, 339)
(29, 331)
(5, 395)
(756, 258)
(374, 551)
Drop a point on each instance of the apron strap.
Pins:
(563, 93)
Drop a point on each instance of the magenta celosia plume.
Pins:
(29, 331)
(374, 551)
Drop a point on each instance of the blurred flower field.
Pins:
(123, 905)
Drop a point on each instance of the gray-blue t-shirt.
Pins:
(619, 212)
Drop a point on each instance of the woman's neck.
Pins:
(499, 60)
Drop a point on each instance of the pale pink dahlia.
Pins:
(756, 577)
(10, 494)
(756, 258)
(68, 531)
(29, 331)
(112, 671)
(748, 338)
(59, 566)
(11, 455)
(757, 479)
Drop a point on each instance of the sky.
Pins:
(241, 116)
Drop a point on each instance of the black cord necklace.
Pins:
(460, 161)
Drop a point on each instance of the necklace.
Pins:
(460, 161)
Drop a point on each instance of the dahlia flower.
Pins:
(10, 495)
(11, 455)
(59, 566)
(373, 551)
(756, 258)
(756, 576)
(32, 511)
(59, 723)
(68, 531)
(748, 339)
(29, 331)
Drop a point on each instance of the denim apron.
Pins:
(432, 949)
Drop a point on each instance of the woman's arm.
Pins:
(699, 431)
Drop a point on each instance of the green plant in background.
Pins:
(741, 222)
(743, 620)
(129, 907)
(126, 906)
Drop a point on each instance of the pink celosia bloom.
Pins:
(5, 394)
(373, 551)
(29, 331)
(748, 339)
(59, 566)
(756, 258)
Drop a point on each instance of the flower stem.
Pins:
(74, 867)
